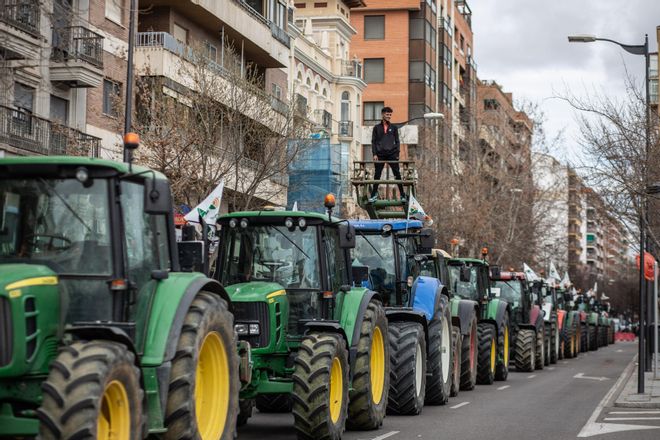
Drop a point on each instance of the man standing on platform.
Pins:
(385, 145)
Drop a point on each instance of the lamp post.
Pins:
(427, 116)
(128, 109)
(640, 49)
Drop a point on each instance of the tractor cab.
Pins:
(512, 287)
(469, 279)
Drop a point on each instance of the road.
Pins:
(571, 398)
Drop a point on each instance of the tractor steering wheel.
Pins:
(33, 239)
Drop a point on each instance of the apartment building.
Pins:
(62, 69)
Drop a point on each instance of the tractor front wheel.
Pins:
(469, 357)
(93, 391)
(456, 339)
(320, 387)
(593, 338)
(503, 350)
(554, 343)
(368, 400)
(584, 338)
(203, 392)
(439, 363)
(487, 354)
(540, 349)
(408, 370)
(525, 350)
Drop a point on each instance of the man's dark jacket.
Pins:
(385, 144)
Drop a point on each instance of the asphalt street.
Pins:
(569, 399)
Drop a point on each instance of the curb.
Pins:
(628, 397)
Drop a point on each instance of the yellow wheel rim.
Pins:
(506, 346)
(377, 366)
(212, 387)
(493, 354)
(336, 390)
(114, 420)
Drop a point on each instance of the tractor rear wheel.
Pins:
(503, 350)
(547, 344)
(456, 339)
(274, 403)
(561, 352)
(540, 349)
(320, 387)
(204, 385)
(408, 368)
(245, 407)
(593, 338)
(92, 391)
(487, 354)
(525, 350)
(371, 377)
(584, 338)
(569, 340)
(577, 334)
(554, 343)
(439, 365)
(469, 357)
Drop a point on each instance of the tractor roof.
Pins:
(279, 215)
(472, 261)
(507, 275)
(378, 225)
(71, 161)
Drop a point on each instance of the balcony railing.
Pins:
(23, 130)
(22, 14)
(279, 105)
(352, 69)
(345, 128)
(78, 43)
(280, 35)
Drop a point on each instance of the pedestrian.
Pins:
(385, 145)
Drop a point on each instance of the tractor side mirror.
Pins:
(157, 196)
(568, 297)
(346, 236)
(427, 239)
(191, 256)
(466, 274)
(495, 272)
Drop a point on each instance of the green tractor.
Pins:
(470, 279)
(318, 346)
(589, 321)
(103, 335)
(570, 334)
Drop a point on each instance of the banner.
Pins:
(649, 261)
(209, 209)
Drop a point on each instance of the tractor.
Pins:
(554, 320)
(543, 295)
(588, 323)
(385, 259)
(570, 334)
(527, 325)
(317, 345)
(470, 280)
(106, 330)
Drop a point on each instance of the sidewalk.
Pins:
(628, 398)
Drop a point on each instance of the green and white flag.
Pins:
(529, 273)
(209, 209)
(554, 273)
(565, 282)
(415, 211)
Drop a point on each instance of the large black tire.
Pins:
(593, 338)
(554, 346)
(456, 339)
(368, 398)
(606, 335)
(540, 349)
(439, 363)
(569, 341)
(274, 403)
(547, 344)
(81, 382)
(561, 352)
(503, 349)
(316, 393)
(525, 350)
(584, 338)
(469, 348)
(245, 408)
(487, 354)
(408, 368)
(207, 319)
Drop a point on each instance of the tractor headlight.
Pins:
(387, 228)
(241, 329)
(302, 223)
(288, 222)
(244, 223)
(254, 329)
(233, 223)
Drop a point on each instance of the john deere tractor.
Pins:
(417, 308)
(589, 321)
(570, 334)
(527, 325)
(102, 333)
(318, 345)
(470, 280)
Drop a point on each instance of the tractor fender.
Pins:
(547, 308)
(170, 304)
(462, 312)
(536, 318)
(328, 327)
(395, 314)
(561, 318)
(593, 318)
(426, 295)
(496, 311)
(354, 307)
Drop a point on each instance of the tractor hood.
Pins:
(16, 276)
(254, 291)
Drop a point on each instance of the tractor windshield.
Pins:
(376, 252)
(61, 223)
(461, 286)
(274, 254)
(509, 291)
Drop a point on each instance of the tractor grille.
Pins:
(253, 312)
(6, 333)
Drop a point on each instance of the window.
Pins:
(416, 71)
(211, 51)
(23, 97)
(374, 27)
(59, 109)
(180, 33)
(372, 110)
(345, 106)
(113, 10)
(276, 91)
(417, 28)
(374, 70)
(111, 96)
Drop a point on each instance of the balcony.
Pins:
(345, 129)
(19, 27)
(351, 69)
(32, 134)
(279, 106)
(280, 35)
(77, 57)
(323, 118)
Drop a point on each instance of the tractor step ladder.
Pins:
(384, 208)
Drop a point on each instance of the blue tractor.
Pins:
(417, 307)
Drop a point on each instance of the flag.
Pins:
(295, 206)
(209, 209)
(595, 289)
(529, 273)
(649, 262)
(554, 273)
(416, 211)
(565, 282)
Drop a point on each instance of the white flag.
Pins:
(529, 273)
(554, 273)
(209, 209)
(416, 211)
(566, 281)
(596, 287)
(295, 206)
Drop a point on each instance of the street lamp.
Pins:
(427, 116)
(639, 49)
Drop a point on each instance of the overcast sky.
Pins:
(522, 44)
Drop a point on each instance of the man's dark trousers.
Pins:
(395, 170)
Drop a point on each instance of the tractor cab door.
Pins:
(336, 270)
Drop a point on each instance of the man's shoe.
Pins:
(373, 199)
